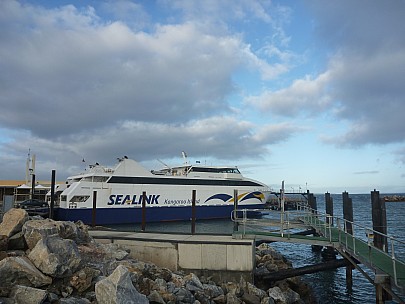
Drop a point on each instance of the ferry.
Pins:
(117, 193)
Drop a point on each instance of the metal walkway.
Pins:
(329, 231)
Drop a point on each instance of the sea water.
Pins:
(329, 286)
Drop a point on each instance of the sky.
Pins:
(307, 92)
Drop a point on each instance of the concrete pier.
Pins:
(219, 256)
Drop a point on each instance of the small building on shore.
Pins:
(16, 191)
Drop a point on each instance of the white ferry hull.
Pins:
(118, 196)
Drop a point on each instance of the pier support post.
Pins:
(348, 217)
(379, 217)
(235, 208)
(348, 212)
(329, 208)
(93, 212)
(193, 197)
(143, 225)
(52, 204)
(312, 202)
(32, 187)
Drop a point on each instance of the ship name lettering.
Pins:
(128, 199)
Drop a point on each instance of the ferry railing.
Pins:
(353, 237)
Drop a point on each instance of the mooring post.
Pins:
(312, 202)
(348, 212)
(33, 187)
(143, 225)
(52, 205)
(348, 217)
(329, 208)
(379, 217)
(93, 211)
(235, 208)
(193, 196)
(329, 252)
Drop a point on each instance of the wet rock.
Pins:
(21, 271)
(118, 288)
(27, 295)
(55, 256)
(13, 221)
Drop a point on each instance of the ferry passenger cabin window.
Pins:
(215, 170)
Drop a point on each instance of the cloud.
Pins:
(228, 137)
(362, 85)
(303, 96)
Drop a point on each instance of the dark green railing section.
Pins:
(284, 225)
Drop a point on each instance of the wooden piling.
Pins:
(348, 216)
(93, 211)
(143, 225)
(329, 208)
(312, 202)
(348, 212)
(193, 198)
(235, 208)
(379, 217)
(33, 187)
(52, 204)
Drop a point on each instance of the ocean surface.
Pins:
(329, 286)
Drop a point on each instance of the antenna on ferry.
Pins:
(164, 164)
(184, 157)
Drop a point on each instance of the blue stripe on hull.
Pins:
(110, 216)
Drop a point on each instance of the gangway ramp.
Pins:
(357, 247)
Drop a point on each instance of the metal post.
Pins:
(193, 196)
(235, 208)
(93, 213)
(143, 211)
(32, 187)
(52, 205)
(329, 207)
(282, 208)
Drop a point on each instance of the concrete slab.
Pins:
(213, 256)
(190, 256)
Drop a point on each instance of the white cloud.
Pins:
(303, 96)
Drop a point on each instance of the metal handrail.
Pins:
(313, 218)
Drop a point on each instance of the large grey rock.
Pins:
(193, 283)
(3, 242)
(17, 242)
(117, 288)
(38, 229)
(114, 251)
(27, 295)
(81, 280)
(55, 256)
(13, 221)
(277, 294)
(21, 271)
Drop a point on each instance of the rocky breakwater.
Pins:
(46, 261)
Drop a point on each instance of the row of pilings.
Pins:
(379, 219)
